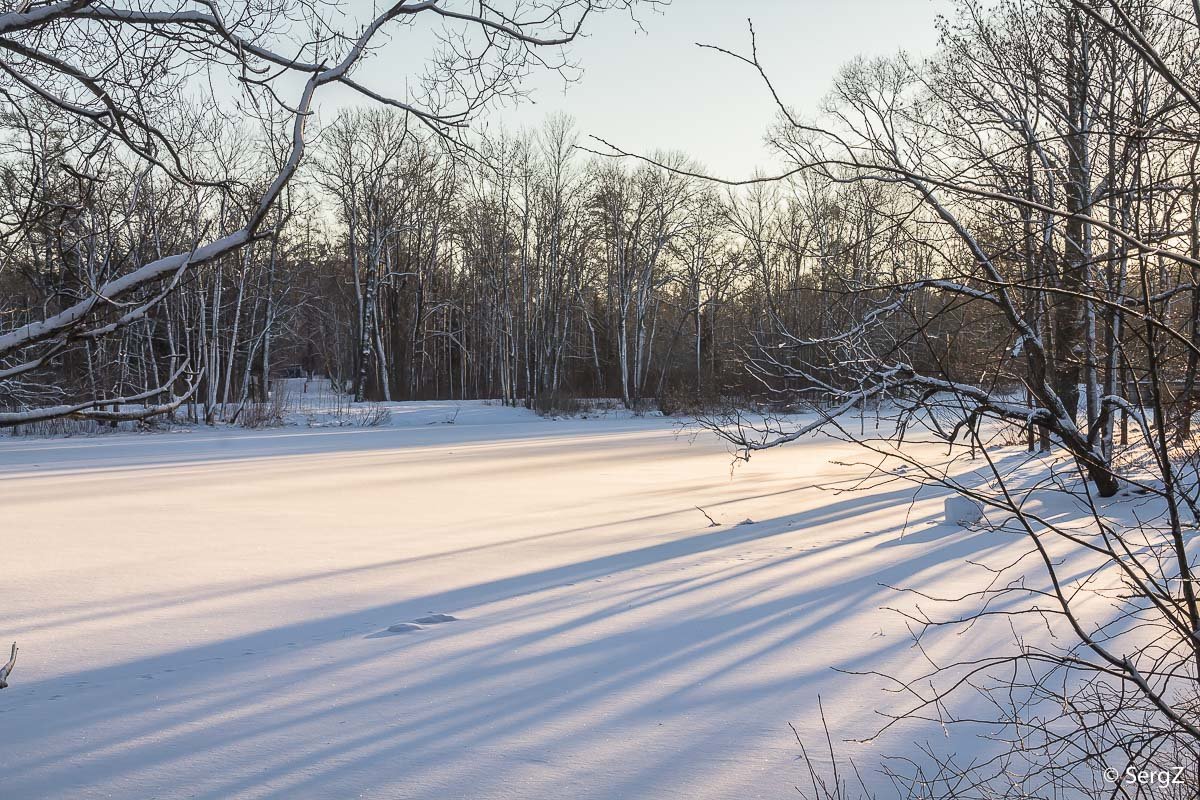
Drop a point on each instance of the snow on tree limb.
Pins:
(88, 409)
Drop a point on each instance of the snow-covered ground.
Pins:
(206, 613)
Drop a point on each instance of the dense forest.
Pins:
(519, 267)
(1006, 214)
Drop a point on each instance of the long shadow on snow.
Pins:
(839, 511)
(538, 686)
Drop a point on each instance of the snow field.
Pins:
(505, 607)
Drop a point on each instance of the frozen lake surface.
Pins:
(502, 607)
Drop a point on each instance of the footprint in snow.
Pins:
(434, 619)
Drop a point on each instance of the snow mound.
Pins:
(963, 511)
(420, 623)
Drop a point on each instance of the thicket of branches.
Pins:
(1015, 219)
(169, 230)
(155, 250)
(523, 269)
(1044, 165)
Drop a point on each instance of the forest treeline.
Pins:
(407, 262)
(522, 268)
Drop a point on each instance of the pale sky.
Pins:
(657, 90)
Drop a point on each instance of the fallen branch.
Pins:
(88, 409)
